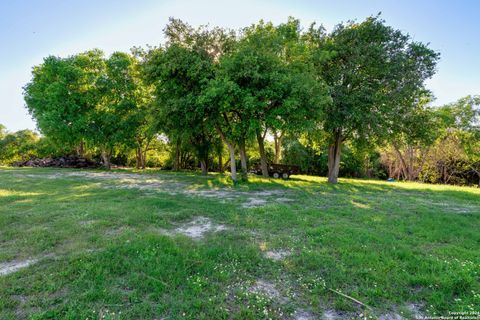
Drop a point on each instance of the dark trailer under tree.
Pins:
(276, 171)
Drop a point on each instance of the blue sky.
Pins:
(32, 30)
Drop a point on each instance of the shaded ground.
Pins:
(123, 245)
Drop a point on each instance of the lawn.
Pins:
(160, 245)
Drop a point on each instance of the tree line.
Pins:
(206, 93)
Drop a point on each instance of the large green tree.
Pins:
(87, 98)
(180, 72)
(59, 97)
(374, 72)
(120, 119)
(266, 82)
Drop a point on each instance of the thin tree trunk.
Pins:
(243, 160)
(143, 154)
(403, 164)
(106, 156)
(233, 166)
(80, 149)
(138, 157)
(203, 165)
(277, 139)
(423, 159)
(231, 150)
(176, 164)
(263, 156)
(225, 166)
(144, 159)
(334, 153)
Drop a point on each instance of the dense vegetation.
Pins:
(351, 102)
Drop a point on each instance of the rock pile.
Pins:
(62, 162)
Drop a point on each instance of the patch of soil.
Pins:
(390, 316)
(303, 315)
(265, 288)
(254, 202)
(340, 315)
(416, 310)
(198, 227)
(277, 255)
(13, 266)
(117, 231)
(171, 185)
(213, 193)
(85, 223)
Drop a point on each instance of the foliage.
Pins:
(374, 72)
(357, 91)
(18, 146)
(180, 73)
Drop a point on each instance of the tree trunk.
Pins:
(231, 150)
(80, 149)
(138, 158)
(106, 156)
(233, 166)
(277, 139)
(220, 163)
(176, 164)
(243, 160)
(403, 164)
(334, 152)
(203, 165)
(263, 156)
(144, 158)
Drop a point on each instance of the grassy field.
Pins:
(158, 245)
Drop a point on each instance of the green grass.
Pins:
(109, 252)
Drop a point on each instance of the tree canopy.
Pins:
(358, 90)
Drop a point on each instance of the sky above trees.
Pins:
(31, 30)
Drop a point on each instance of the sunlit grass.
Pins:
(102, 247)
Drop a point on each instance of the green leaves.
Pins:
(89, 98)
(374, 75)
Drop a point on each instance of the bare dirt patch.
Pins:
(13, 266)
(303, 315)
(117, 231)
(198, 228)
(278, 254)
(86, 223)
(390, 316)
(341, 315)
(171, 185)
(416, 310)
(265, 288)
(269, 290)
(254, 202)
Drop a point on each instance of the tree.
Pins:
(221, 100)
(374, 72)
(269, 84)
(87, 98)
(18, 146)
(57, 98)
(180, 73)
(121, 116)
(460, 140)
(411, 140)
